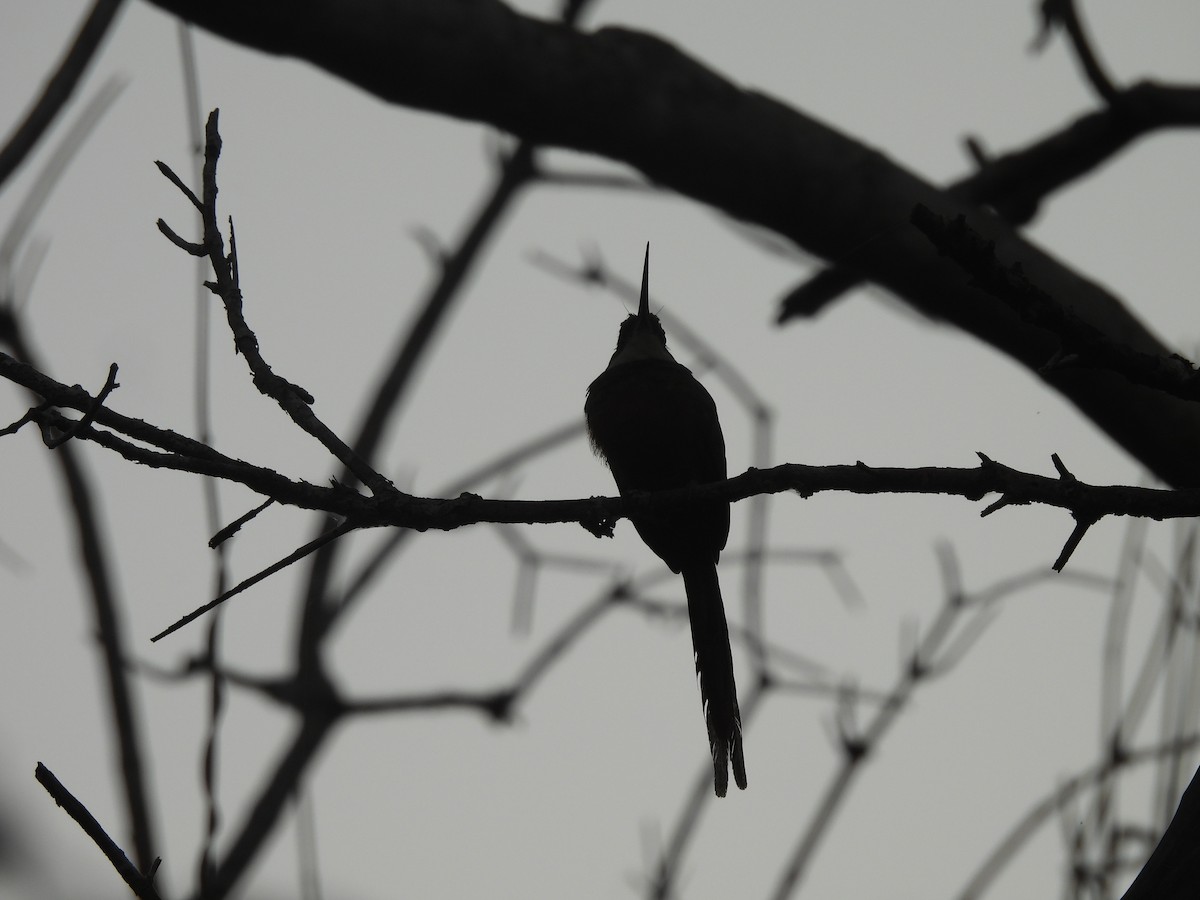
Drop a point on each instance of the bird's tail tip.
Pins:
(727, 754)
(739, 762)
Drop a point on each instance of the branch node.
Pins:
(110, 385)
(499, 706)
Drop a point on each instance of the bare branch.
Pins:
(60, 87)
(141, 885)
(48, 177)
(292, 398)
(293, 557)
(637, 99)
(1024, 829)
(598, 514)
(90, 413)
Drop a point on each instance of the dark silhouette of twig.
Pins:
(1041, 812)
(264, 812)
(932, 654)
(318, 613)
(59, 87)
(515, 173)
(1064, 14)
(206, 859)
(662, 882)
(498, 703)
(524, 452)
(88, 414)
(530, 561)
(1016, 183)
(1099, 845)
(941, 647)
(20, 225)
(1180, 714)
(1141, 692)
(291, 398)
(93, 557)
(1112, 670)
(235, 526)
(141, 884)
(295, 556)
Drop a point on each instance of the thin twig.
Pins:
(515, 173)
(50, 175)
(90, 413)
(141, 885)
(60, 86)
(1064, 14)
(1041, 812)
(291, 398)
(663, 882)
(295, 556)
(929, 656)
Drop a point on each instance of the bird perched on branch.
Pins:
(657, 429)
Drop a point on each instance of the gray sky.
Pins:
(327, 187)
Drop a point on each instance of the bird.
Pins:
(657, 429)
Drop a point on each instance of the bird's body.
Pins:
(657, 428)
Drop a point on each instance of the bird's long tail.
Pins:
(714, 666)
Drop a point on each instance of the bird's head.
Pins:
(641, 335)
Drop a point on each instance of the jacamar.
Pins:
(657, 428)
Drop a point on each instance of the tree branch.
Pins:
(597, 514)
(141, 885)
(1016, 183)
(292, 399)
(638, 99)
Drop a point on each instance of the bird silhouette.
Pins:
(657, 429)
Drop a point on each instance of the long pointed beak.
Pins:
(644, 302)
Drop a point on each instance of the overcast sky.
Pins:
(330, 189)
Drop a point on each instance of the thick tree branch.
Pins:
(638, 99)
(1017, 182)
(1079, 344)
